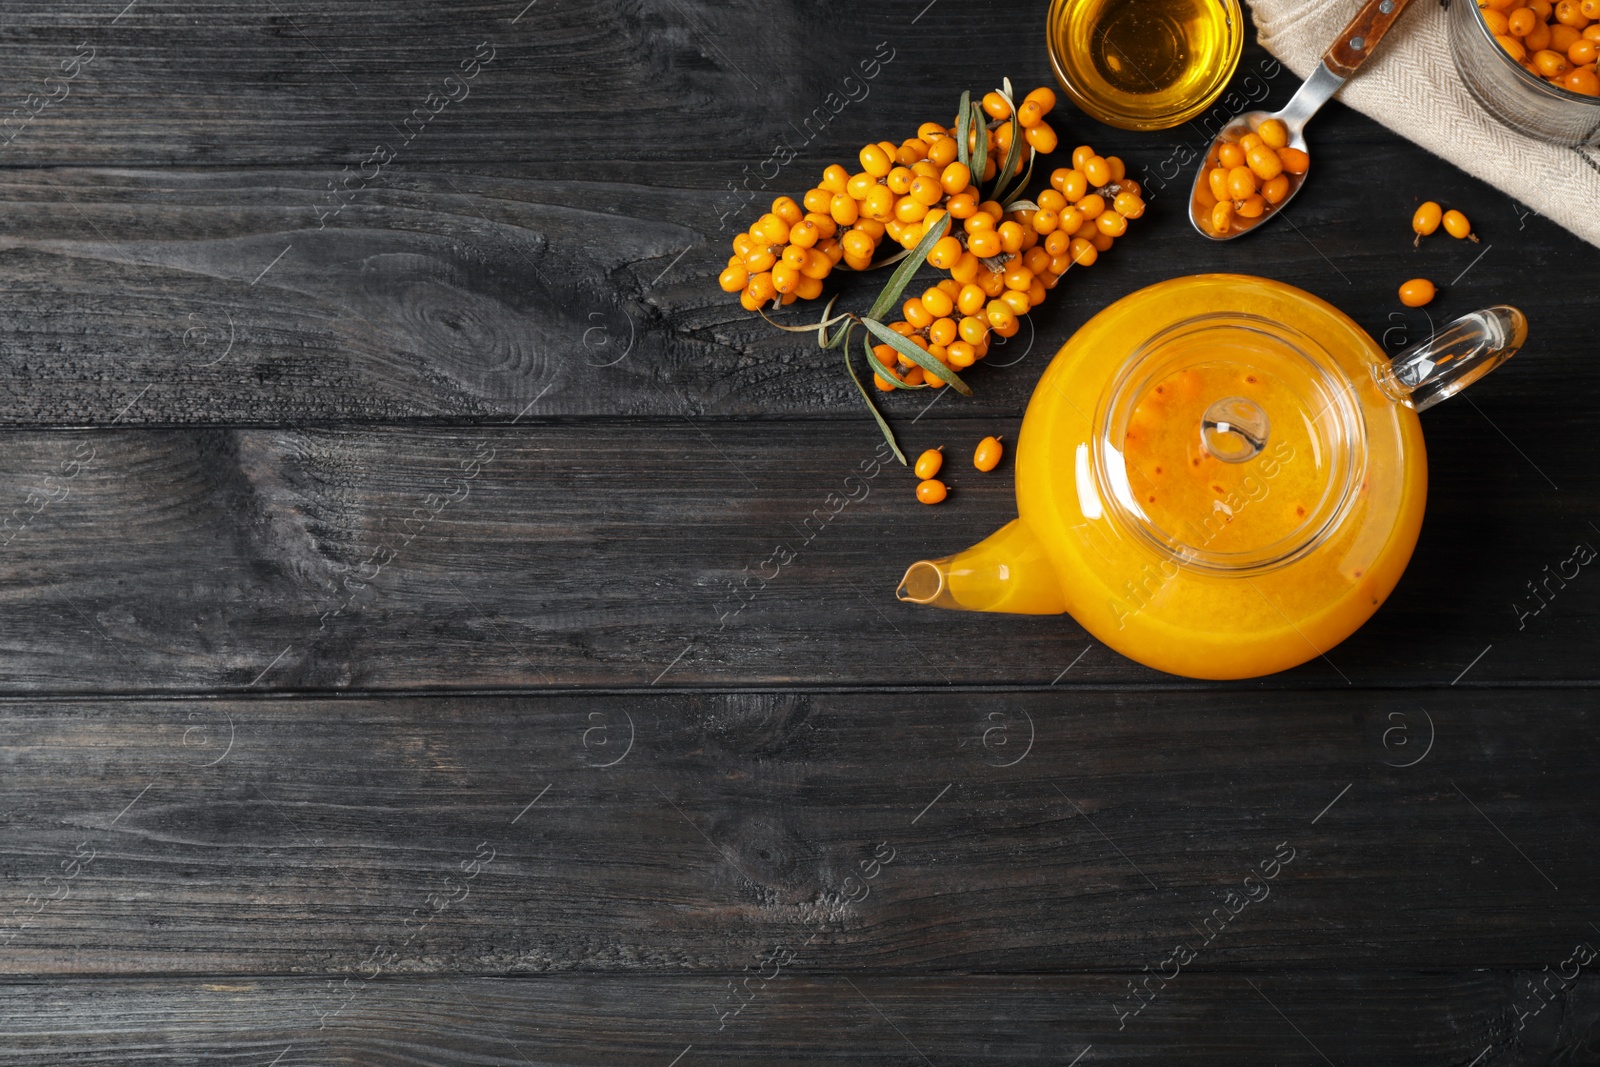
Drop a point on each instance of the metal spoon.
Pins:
(1342, 59)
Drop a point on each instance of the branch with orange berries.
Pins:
(1002, 253)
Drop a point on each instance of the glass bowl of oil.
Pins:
(1144, 64)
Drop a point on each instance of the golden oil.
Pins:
(1144, 64)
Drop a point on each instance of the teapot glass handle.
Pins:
(1453, 358)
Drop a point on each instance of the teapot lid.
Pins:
(1230, 443)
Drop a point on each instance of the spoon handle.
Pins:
(1357, 41)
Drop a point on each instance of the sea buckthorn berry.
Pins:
(1550, 64)
(995, 106)
(1119, 169)
(832, 249)
(971, 300)
(1002, 139)
(1071, 184)
(1056, 243)
(1217, 182)
(955, 178)
(1029, 113)
(1083, 253)
(1059, 264)
(796, 256)
(1583, 51)
(759, 259)
(1582, 80)
(844, 209)
(1242, 181)
(1250, 207)
(983, 243)
(911, 151)
(1036, 260)
(1416, 292)
(857, 262)
(972, 329)
(859, 185)
(817, 266)
(1264, 162)
(1230, 156)
(1273, 133)
(1569, 13)
(1498, 24)
(943, 153)
(1543, 8)
(962, 206)
(878, 204)
(808, 288)
(945, 252)
(857, 243)
(1592, 31)
(786, 209)
(817, 199)
(987, 456)
(1538, 38)
(942, 332)
(937, 303)
(1045, 221)
(928, 463)
(908, 209)
(824, 223)
(1111, 224)
(1050, 200)
(1097, 171)
(1222, 216)
(733, 279)
(898, 180)
(961, 354)
(784, 277)
(966, 268)
(915, 313)
(1590, 9)
(993, 283)
(1000, 315)
(881, 383)
(1018, 301)
(1294, 161)
(1017, 276)
(760, 287)
(1249, 141)
(1071, 221)
(1456, 225)
(926, 191)
(1130, 206)
(771, 229)
(1010, 236)
(1080, 155)
(1091, 206)
(1273, 190)
(930, 132)
(1520, 22)
(1512, 48)
(1563, 37)
(804, 233)
(1426, 220)
(834, 179)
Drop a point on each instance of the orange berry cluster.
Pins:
(789, 250)
(1559, 42)
(1247, 178)
(1002, 263)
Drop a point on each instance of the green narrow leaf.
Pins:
(1003, 178)
(964, 128)
(874, 366)
(916, 355)
(902, 274)
(1023, 185)
(866, 399)
(980, 154)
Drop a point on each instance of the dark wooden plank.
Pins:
(906, 833)
(1406, 1018)
(620, 554)
(166, 296)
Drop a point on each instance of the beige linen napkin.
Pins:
(1411, 86)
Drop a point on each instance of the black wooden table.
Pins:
(394, 671)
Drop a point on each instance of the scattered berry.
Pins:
(929, 462)
(931, 491)
(1417, 292)
(1457, 226)
(987, 456)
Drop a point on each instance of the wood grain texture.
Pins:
(671, 553)
(907, 833)
(1427, 1020)
(158, 296)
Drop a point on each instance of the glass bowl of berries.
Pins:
(1532, 64)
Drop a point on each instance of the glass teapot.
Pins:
(1219, 476)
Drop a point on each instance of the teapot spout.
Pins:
(1007, 571)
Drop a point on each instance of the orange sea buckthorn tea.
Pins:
(1219, 476)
